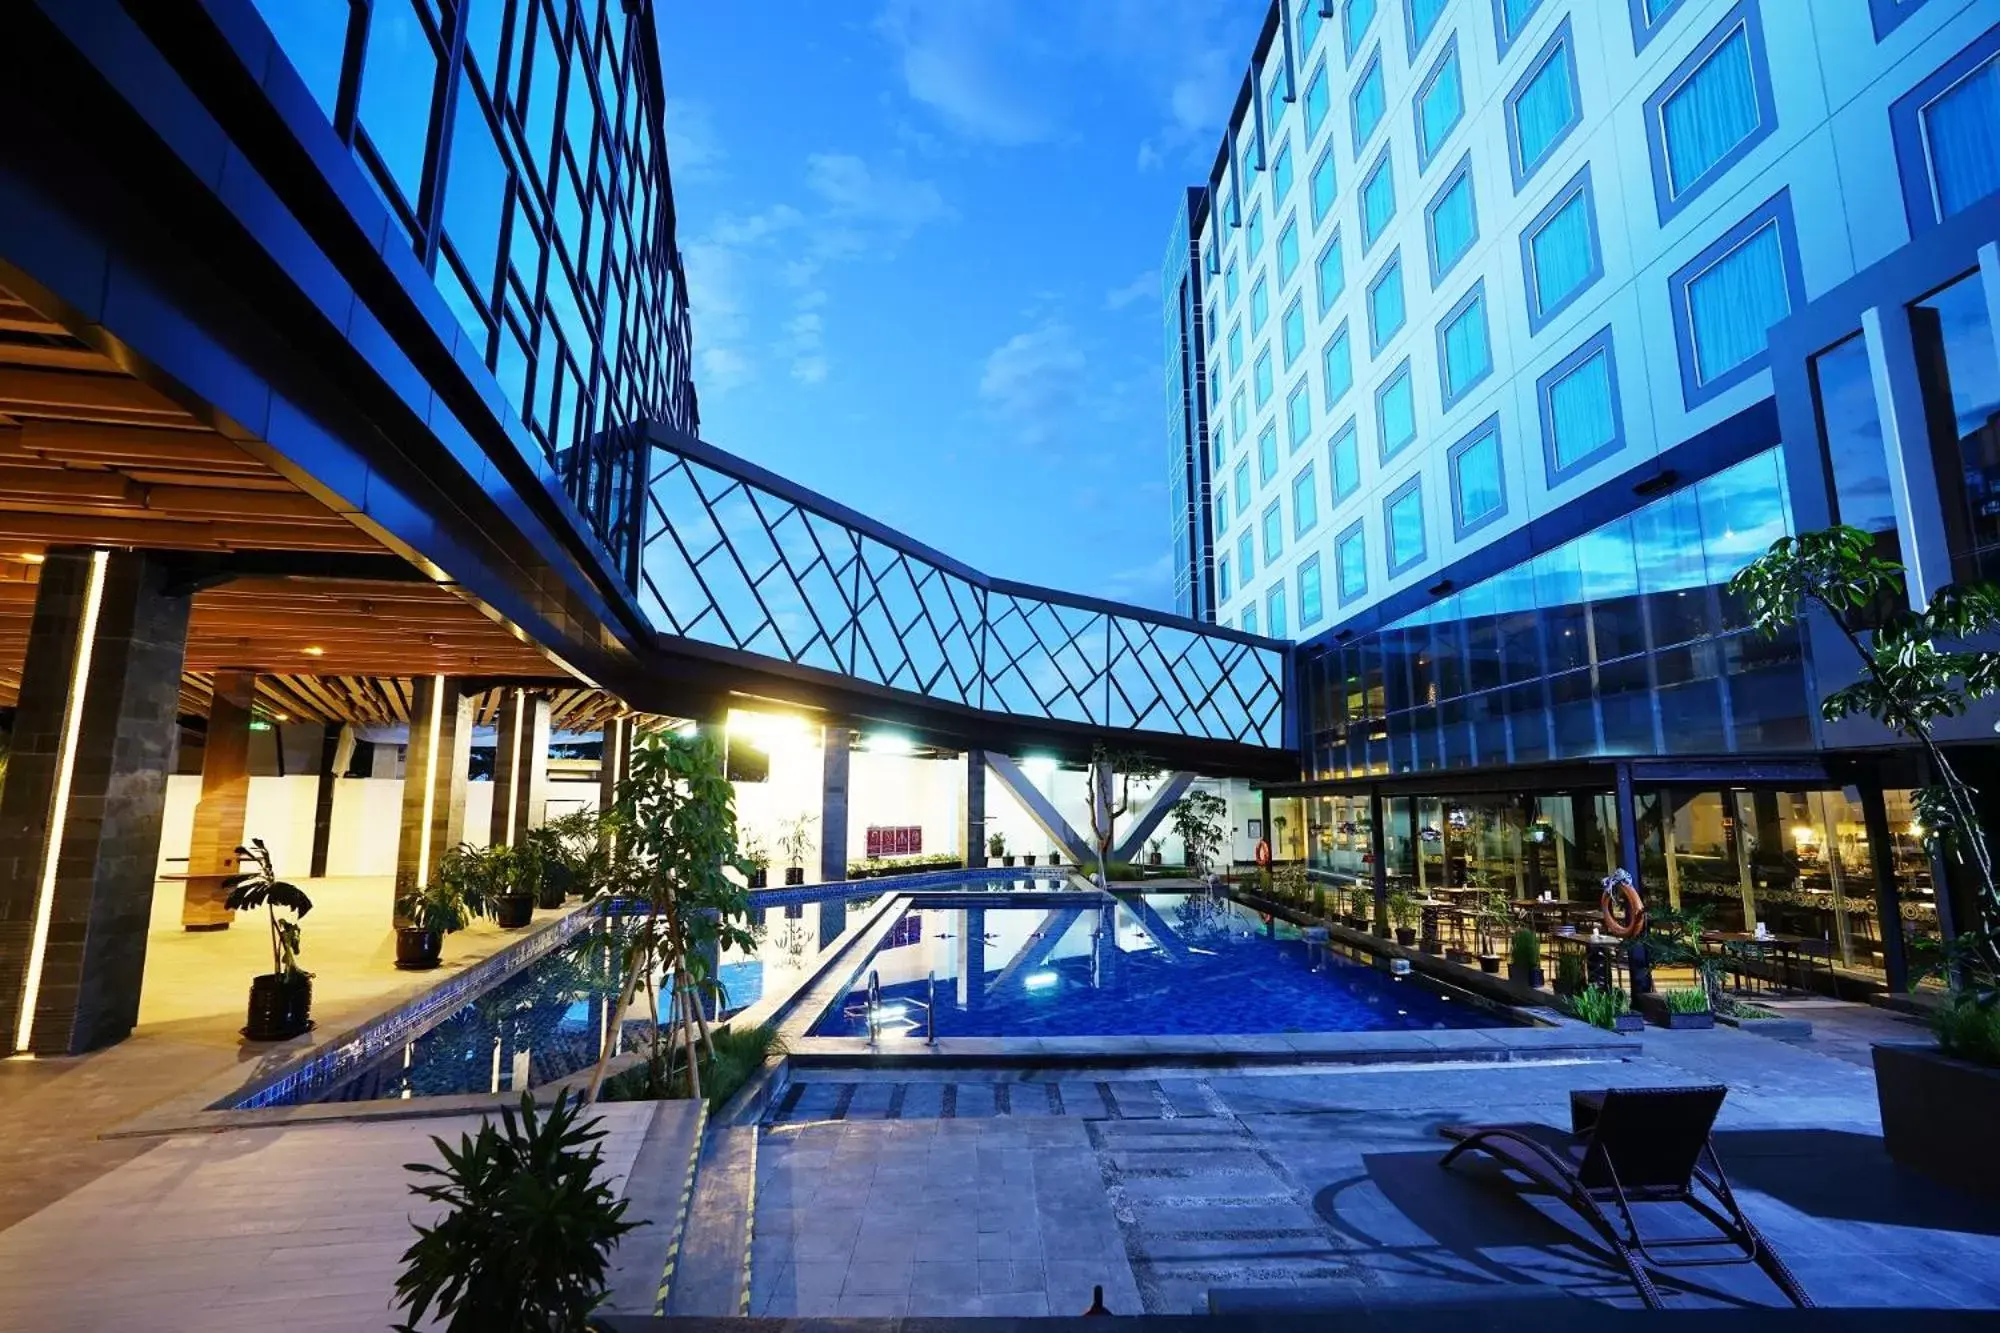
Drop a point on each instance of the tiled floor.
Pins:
(1161, 1188)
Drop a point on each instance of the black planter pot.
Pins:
(552, 895)
(759, 878)
(1654, 1008)
(1007, 861)
(511, 911)
(417, 949)
(1629, 1024)
(1028, 859)
(1154, 858)
(1489, 963)
(280, 1006)
(1406, 936)
(1055, 858)
(1938, 1115)
(794, 876)
(1524, 976)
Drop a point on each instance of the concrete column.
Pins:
(520, 767)
(616, 760)
(837, 742)
(94, 738)
(336, 749)
(434, 778)
(1378, 856)
(972, 810)
(225, 794)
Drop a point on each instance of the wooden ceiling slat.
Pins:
(26, 389)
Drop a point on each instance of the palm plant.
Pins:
(261, 887)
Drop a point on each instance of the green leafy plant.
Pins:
(1597, 1005)
(1495, 918)
(260, 887)
(1525, 951)
(1201, 821)
(1686, 1000)
(1916, 668)
(1361, 904)
(1569, 974)
(1674, 936)
(996, 844)
(738, 1055)
(481, 876)
(1403, 910)
(439, 905)
(796, 839)
(528, 1226)
(1109, 780)
(1968, 1029)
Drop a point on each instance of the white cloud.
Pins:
(809, 369)
(1147, 584)
(957, 59)
(853, 190)
(693, 147)
(1141, 287)
(1034, 381)
(722, 369)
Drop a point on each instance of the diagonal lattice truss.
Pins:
(730, 562)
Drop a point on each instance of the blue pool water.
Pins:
(1152, 965)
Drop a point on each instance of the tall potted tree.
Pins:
(796, 842)
(1110, 781)
(1199, 819)
(1939, 1104)
(281, 999)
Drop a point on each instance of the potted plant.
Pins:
(1524, 965)
(528, 1224)
(1359, 904)
(1156, 852)
(1496, 918)
(1027, 858)
(1403, 915)
(996, 849)
(1055, 857)
(758, 859)
(1679, 1007)
(281, 999)
(1604, 1007)
(1199, 819)
(572, 854)
(1569, 974)
(433, 912)
(796, 842)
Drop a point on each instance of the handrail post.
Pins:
(930, 1014)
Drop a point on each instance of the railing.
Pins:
(737, 557)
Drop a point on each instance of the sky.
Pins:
(923, 242)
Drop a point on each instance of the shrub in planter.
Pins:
(1569, 974)
(1028, 859)
(796, 842)
(1525, 958)
(1360, 905)
(281, 999)
(1403, 915)
(1607, 1008)
(996, 848)
(495, 882)
(529, 1222)
(758, 859)
(1156, 851)
(433, 911)
(1681, 1007)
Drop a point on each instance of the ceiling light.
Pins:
(889, 742)
(313, 650)
(33, 557)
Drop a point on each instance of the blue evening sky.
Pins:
(923, 241)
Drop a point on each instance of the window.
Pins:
(1221, 512)
(1543, 107)
(1274, 105)
(1478, 485)
(1274, 604)
(1267, 454)
(1298, 417)
(1403, 516)
(1465, 356)
(1260, 306)
(1947, 132)
(1350, 563)
(1711, 110)
(1324, 188)
(1242, 483)
(1231, 287)
(1355, 17)
(1581, 421)
(1647, 16)
(1450, 223)
(1331, 273)
(1260, 378)
(1378, 201)
(1509, 17)
(1440, 105)
(1395, 413)
(1385, 304)
(1222, 578)
(1368, 102)
(1254, 234)
(1292, 332)
(1246, 557)
(1310, 608)
(1236, 348)
(1423, 16)
(1274, 534)
(1726, 299)
(1219, 437)
(1310, 22)
(1316, 97)
(1559, 254)
(1305, 503)
(1239, 415)
(1250, 619)
(1281, 176)
(1337, 367)
(1288, 252)
(1346, 463)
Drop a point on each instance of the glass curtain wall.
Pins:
(1960, 373)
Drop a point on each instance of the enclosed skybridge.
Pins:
(753, 582)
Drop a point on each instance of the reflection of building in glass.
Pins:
(1527, 326)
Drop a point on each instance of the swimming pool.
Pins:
(1155, 964)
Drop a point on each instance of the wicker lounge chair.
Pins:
(1636, 1146)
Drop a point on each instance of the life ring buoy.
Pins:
(1623, 910)
(1263, 852)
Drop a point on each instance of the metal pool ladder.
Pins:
(872, 1009)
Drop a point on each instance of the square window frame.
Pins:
(1260, 401)
(1644, 28)
(1263, 284)
(1560, 39)
(1351, 43)
(1414, 485)
(1474, 293)
(1373, 63)
(1274, 602)
(1479, 434)
(1302, 389)
(1416, 44)
(1311, 562)
(1309, 134)
(1310, 477)
(1744, 14)
(1356, 533)
(1906, 129)
(1273, 515)
(1341, 330)
(1597, 342)
(1502, 41)
(1383, 453)
(1444, 57)
(1376, 342)
(1461, 172)
(1325, 159)
(1580, 183)
(1384, 161)
(1270, 432)
(1888, 15)
(1775, 211)
(1321, 301)
(1291, 229)
(1350, 431)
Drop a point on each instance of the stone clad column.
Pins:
(615, 761)
(838, 744)
(225, 795)
(434, 770)
(972, 810)
(520, 767)
(95, 735)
